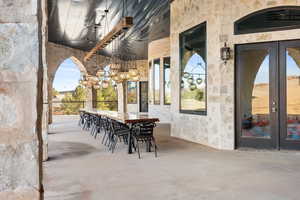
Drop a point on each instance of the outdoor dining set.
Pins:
(131, 129)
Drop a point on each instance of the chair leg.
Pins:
(155, 147)
(97, 131)
(138, 147)
(103, 138)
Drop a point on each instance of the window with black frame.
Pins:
(151, 98)
(156, 81)
(167, 82)
(131, 92)
(193, 70)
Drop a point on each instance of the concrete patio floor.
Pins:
(80, 168)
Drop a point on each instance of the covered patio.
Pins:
(217, 80)
(80, 167)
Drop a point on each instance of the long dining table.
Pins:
(126, 118)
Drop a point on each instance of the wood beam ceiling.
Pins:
(120, 28)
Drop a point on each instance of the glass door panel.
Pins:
(290, 94)
(292, 79)
(256, 112)
(255, 94)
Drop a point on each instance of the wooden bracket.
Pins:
(123, 25)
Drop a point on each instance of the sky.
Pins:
(197, 66)
(67, 76)
(263, 74)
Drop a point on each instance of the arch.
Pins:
(75, 60)
(78, 64)
(270, 19)
(68, 74)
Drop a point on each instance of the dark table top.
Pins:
(127, 118)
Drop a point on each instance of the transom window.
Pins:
(193, 70)
(272, 19)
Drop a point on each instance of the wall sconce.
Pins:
(225, 53)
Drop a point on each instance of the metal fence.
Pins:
(72, 107)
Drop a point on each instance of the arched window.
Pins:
(193, 70)
(271, 19)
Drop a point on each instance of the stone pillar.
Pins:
(122, 99)
(89, 99)
(45, 116)
(49, 89)
(94, 98)
(21, 76)
(45, 80)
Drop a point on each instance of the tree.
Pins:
(79, 94)
(107, 94)
(71, 103)
(55, 93)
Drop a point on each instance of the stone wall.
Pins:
(217, 128)
(21, 73)
(159, 49)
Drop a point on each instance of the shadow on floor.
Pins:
(69, 150)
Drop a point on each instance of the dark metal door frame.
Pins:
(284, 143)
(278, 93)
(262, 143)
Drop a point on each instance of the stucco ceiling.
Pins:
(72, 23)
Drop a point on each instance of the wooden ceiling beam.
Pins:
(120, 28)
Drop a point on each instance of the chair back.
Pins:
(144, 129)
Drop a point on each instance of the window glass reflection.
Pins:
(255, 95)
(293, 93)
(156, 76)
(167, 81)
(193, 70)
(131, 92)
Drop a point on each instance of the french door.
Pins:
(268, 95)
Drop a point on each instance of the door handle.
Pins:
(274, 107)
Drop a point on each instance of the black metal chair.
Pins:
(143, 132)
(119, 132)
(87, 122)
(81, 118)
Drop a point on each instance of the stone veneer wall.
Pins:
(217, 128)
(159, 49)
(21, 77)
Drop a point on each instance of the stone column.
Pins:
(89, 99)
(94, 98)
(50, 113)
(122, 99)
(45, 116)
(21, 100)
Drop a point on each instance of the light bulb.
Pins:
(186, 75)
(193, 86)
(190, 80)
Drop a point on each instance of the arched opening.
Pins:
(67, 94)
(271, 19)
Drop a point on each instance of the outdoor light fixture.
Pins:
(199, 81)
(225, 53)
